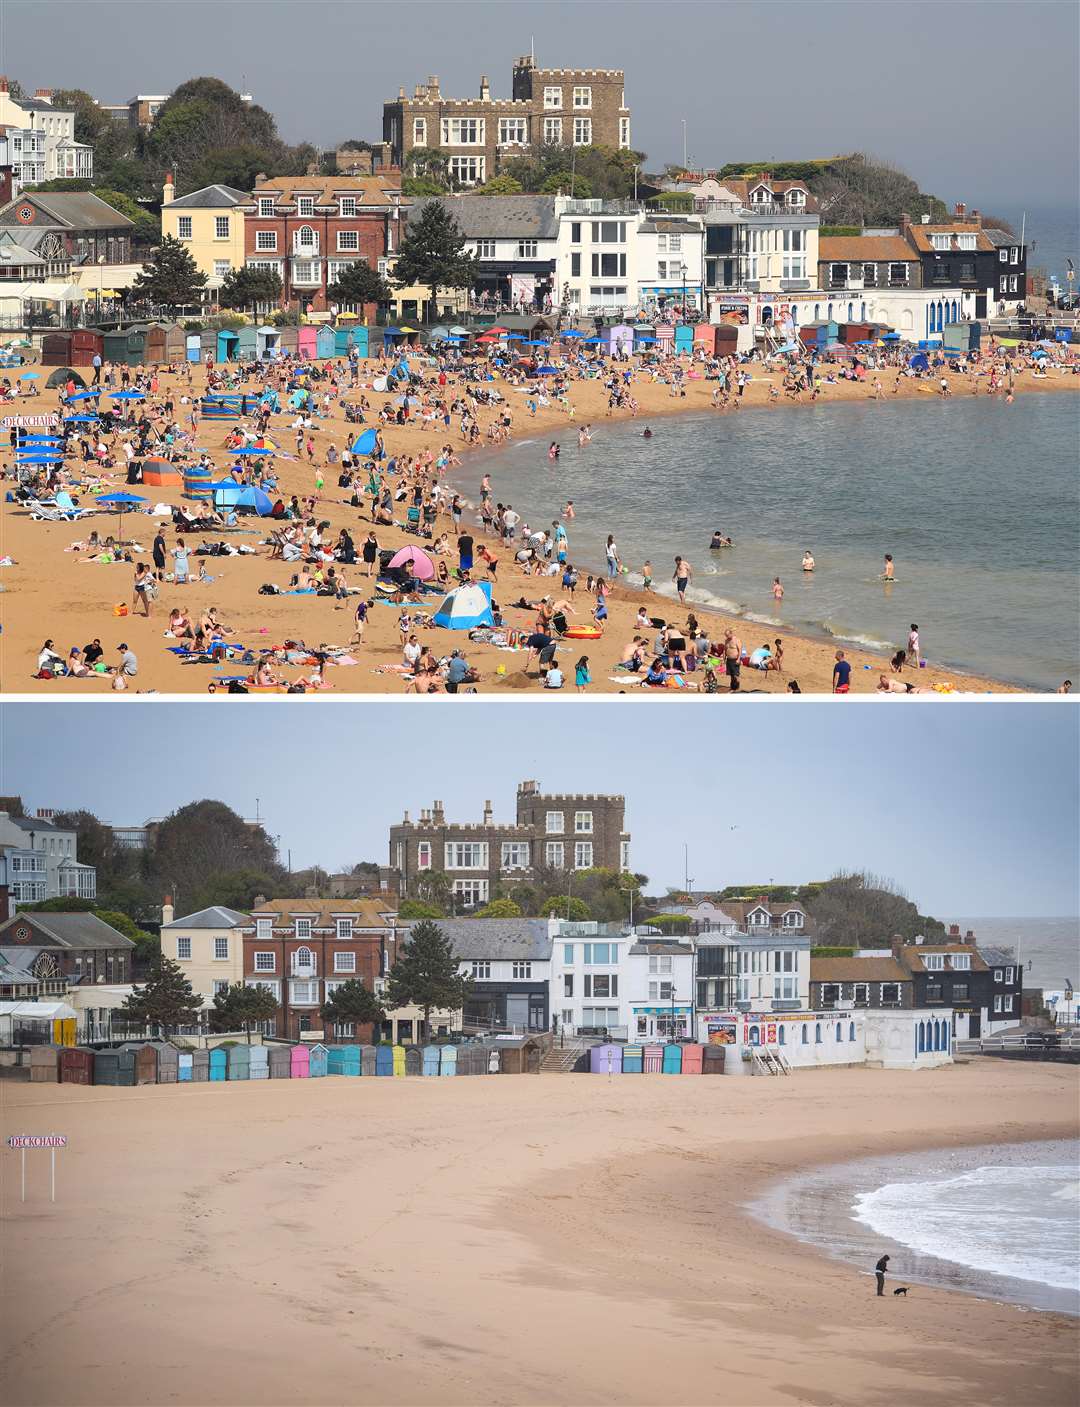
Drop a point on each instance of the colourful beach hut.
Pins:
(318, 1061)
(168, 1063)
(145, 1062)
(618, 338)
(115, 1067)
(631, 1060)
(367, 1060)
(384, 1060)
(126, 347)
(448, 1060)
(652, 1059)
(56, 349)
(200, 1066)
(86, 344)
(76, 1066)
(219, 1063)
(288, 341)
(672, 1060)
(684, 338)
(399, 1060)
(307, 341)
(606, 1059)
(712, 1060)
(299, 1062)
(193, 347)
(705, 338)
(183, 1067)
(665, 339)
(280, 1062)
(343, 1060)
(228, 345)
(239, 1062)
(414, 1060)
(692, 1056)
(360, 339)
(247, 348)
(267, 342)
(259, 1063)
(326, 342)
(430, 1063)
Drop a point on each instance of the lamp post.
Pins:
(100, 269)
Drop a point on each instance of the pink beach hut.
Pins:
(300, 1063)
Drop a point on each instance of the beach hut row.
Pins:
(161, 1063)
(250, 343)
(656, 1060)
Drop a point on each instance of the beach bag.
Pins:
(269, 589)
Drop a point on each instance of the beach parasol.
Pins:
(593, 339)
(81, 420)
(29, 376)
(84, 395)
(39, 458)
(571, 333)
(253, 450)
(547, 371)
(126, 395)
(121, 501)
(460, 332)
(418, 562)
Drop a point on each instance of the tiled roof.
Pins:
(373, 190)
(913, 955)
(214, 917)
(368, 912)
(32, 823)
(78, 930)
(921, 237)
(1000, 237)
(215, 197)
(655, 948)
(865, 248)
(498, 216)
(75, 210)
(523, 939)
(856, 969)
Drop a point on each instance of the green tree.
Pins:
(426, 974)
(433, 253)
(358, 284)
(241, 1008)
(352, 1001)
(865, 911)
(418, 186)
(568, 183)
(171, 277)
(419, 908)
(671, 923)
(428, 164)
(204, 841)
(435, 887)
(500, 185)
(165, 999)
(499, 909)
(247, 287)
(572, 908)
(91, 122)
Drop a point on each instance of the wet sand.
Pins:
(50, 593)
(551, 1239)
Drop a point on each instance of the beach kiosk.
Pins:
(56, 349)
(193, 347)
(267, 342)
(307, 340)
(326, 343)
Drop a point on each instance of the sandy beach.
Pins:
(532, 1239)
(53, 592)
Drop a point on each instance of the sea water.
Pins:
(1001, 1221)
(1048, 948)
(976, 500)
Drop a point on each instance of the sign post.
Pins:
(51, 1141)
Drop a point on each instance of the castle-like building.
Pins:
(551, 833)
(550, 106)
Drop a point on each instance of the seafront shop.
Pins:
(889, 1039)
(915, 313)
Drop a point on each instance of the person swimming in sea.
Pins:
(646, 434)
(718, 541)
(887, 574)
(808, 563)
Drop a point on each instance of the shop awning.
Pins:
(660, 1010)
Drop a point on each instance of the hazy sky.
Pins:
(971, 809)
(978, 101)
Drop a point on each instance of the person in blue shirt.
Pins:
(458, 672)
(582, 678)
(841, 675)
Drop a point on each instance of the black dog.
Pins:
(901, 1291)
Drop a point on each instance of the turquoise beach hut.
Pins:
(219, 1063)
(326, 342)
(448, 1060)
(318, 1060)
(431, 1060)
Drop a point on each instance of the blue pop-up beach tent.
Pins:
(364, 442)
(466, 607)
(255, 501)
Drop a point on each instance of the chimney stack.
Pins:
(45, 94)
(954, 932)
(4, 85)
(960, 208)
(897, 946)
(905, 222)
(485, 89)
(258, 901)
(167, 911)
(488, 813)
(168, 190)
(438, 814)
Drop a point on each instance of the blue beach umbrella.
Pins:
(38, 459)
(547, 371)
(253, 450)
(28, 376)
(121, 501)
(126, 395)
(592, 340)
(571, 333)
(84, 395)
(81, 420)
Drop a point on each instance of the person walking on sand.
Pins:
(879, 1271)
(681, 578)
(582, 677)
(914, 650)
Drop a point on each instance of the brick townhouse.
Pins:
(306, 229)
(303, 949)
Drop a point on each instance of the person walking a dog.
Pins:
(879, 1270)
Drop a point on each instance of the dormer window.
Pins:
(793, 919)
(303, 928)
(266, 206)
(762, 195)
(796, 197)
(347, 206)
(961, 962)
(940, 242)
(966, 241)
(305, 205)
(935, 962)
